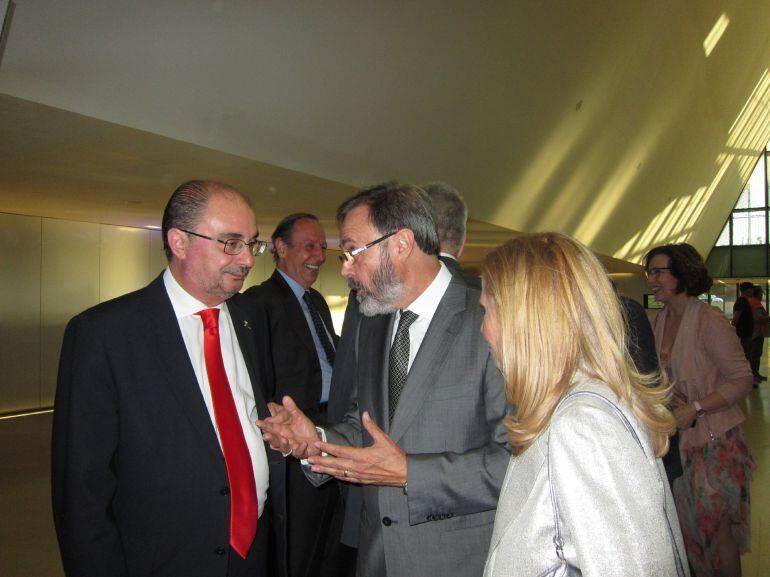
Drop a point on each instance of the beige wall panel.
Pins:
(69, 285)
(157, 257)
(124, 260)
(19, 312)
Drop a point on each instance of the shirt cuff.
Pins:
(322, 433)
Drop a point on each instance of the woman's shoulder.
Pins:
(592, 414)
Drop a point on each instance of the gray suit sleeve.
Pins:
(468, 482)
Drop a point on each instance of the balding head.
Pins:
(188, 202)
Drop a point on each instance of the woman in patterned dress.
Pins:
(703, 357)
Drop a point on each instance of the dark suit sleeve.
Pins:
(85, 437)
(641, 340)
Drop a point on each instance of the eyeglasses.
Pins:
(235, 246)
(655, 271)
(349, 256)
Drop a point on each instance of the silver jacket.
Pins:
(611, 497)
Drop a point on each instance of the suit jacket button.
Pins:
(220, 551)
(386, 521)
(225, 491)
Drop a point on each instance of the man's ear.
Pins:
(178, 242)
(403, 243)
(462, 248)
(280, 247)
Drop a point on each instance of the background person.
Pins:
(564, 356)
(743, 320)
(705, 361)
(759, 314)
(303, 352)
(451, 216)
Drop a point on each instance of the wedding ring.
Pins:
(345, 473)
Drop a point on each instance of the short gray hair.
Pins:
(394, 206)
(450, 213)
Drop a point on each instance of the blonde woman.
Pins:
(587, 430)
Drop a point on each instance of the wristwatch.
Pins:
(699, 412)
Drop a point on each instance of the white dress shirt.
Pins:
(191, 325)
(424, 306)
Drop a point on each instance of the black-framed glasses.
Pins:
(655, 271)
(235, 246)
(349, 256)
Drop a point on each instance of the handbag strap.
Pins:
(557, 540)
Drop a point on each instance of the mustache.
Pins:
(237, 270)
(354, 284)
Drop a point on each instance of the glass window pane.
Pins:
(743, 201)
(724, 238)
(749, 261)
(718, 262)
(767, 171)
(756, 187)
(717, 295)
(749, 228)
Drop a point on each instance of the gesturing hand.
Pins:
(288, 430)
(383, 463)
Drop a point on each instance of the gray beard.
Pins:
(386, 290)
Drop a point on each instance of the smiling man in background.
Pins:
(303, 346)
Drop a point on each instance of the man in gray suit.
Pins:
(451, 216)
(424, 433)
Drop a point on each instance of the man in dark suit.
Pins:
(451, 216)
(424, 433)
(157, 466)
(303, 346)
(348, 519)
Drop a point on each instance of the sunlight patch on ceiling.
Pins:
(748, 136)
(715, 35)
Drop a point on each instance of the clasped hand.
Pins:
(290, 431)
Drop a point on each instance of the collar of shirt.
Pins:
(426, 304)
(447, 255)
(185, 306)
(184, 303)
(295, 287)
(424, 307)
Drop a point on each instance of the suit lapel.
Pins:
(372, 365)
(244, 330)
(323, 310)
(446, 323)
(160, 325)
(294, 313)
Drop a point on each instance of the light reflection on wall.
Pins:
(677, 221)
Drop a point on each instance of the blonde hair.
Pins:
(558, 314)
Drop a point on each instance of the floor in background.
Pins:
(28, 543)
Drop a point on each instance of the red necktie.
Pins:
(244, 509)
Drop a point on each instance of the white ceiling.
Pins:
(546, 115)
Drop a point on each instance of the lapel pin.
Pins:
(247, 325)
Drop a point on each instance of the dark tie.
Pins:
(320, 331)
(399, 360)
(244, 508)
